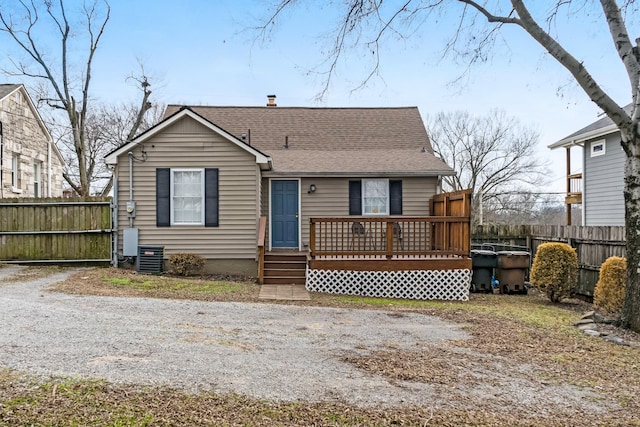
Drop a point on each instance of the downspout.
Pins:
(130, 186)
(114, 224)
(49, 169)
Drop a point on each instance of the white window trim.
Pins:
(171, 195)
(15, 172)
(37, 179)
(594, 144)
(362, 183)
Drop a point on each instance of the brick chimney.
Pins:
(271, 101)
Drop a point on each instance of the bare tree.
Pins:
(491, 154)
(526, 207)
(366, 23)
(109, 126)
(63, 80)
(114, 126)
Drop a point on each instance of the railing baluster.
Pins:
(389, 237)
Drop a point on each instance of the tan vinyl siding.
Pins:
(331, 198)
(416, 194)
(188, 144)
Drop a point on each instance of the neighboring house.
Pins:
(599, 188)
(30, 164)
(201, 180)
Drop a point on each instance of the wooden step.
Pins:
(284, 268)
(284, 272)
(284, 280)
(270, 256)
(285, 265)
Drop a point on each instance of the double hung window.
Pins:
(15, 171)
(187, 196)
(37, 178)
(375, 197)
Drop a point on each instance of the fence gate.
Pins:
(453, 234)
(55, 230)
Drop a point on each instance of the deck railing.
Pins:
(389, 237)
(574, 189)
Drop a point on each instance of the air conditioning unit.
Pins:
(150, 259)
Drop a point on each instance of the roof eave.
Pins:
(578, 140)
(351, 174)
(112, 158)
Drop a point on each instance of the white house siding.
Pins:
(188, 144)
(23, 135)
(603, 184)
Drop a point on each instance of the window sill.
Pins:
(16, 190)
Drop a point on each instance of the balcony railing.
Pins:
(574, 189)
(389, 237)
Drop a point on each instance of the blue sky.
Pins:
(204, 52)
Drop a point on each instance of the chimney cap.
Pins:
(272, 101)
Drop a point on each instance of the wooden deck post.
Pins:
(389, 239)
(312, 237)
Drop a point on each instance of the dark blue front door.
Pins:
(284, 214)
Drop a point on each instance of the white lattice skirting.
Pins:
(411, 284)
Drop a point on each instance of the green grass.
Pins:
(535, 311)
(168, 285)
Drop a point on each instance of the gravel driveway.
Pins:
(262, 350)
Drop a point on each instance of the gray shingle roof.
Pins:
(599, 128)
(6, 89)
(332, 140)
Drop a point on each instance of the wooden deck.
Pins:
(440, 241)
(364, 263)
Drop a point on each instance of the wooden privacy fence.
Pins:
(452, 234)
(49, 230)
(593, 244)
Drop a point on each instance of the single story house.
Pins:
(30, 163)
(599, 188)
(256, 190)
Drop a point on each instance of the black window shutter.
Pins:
(355, 198)
(395, 197)
(163, 197)
(211, 197)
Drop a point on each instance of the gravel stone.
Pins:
(266, 351)
(263, 350)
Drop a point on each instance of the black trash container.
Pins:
(482, 263)
(512, 266)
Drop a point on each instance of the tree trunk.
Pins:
(630, 317)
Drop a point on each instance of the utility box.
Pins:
(130, 242)
(150, 259)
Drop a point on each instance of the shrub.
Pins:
(611, 286)
(555, 270)
(185, 264)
